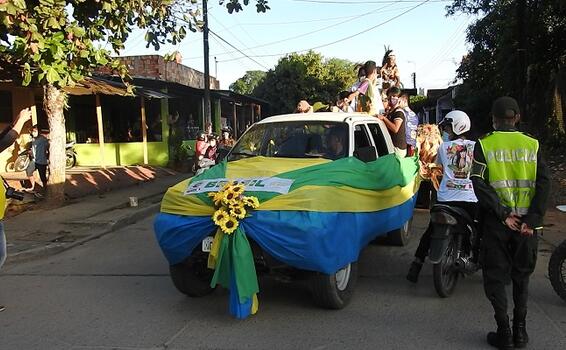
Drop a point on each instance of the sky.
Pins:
(424, 39)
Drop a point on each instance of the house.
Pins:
(113, 126)
(439, 103)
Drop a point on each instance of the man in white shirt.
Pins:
(456, 189)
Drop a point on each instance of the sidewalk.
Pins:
(41, 232)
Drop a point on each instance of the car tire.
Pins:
(402, 236)
(192, 277)
(334, 291)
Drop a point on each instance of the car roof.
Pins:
(319, 116)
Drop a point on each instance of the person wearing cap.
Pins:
(512, 184)
(455, 157)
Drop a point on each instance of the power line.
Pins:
(339, 2)
(347, 37)
(236, 38)
(314, 31)
(235, 48)
(378, 10)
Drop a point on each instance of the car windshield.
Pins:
(294, 139)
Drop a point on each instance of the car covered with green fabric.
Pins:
(326, 185)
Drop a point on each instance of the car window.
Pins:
(378, 139)
(361, 138)
(294, 139)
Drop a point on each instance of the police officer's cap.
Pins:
(505, 107)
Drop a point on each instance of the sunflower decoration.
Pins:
(231, 205)
(251, 202)
(238, 212)
(216, 198)
(220, 217)
(230, 225)
(230, 198)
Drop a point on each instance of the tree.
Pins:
(305, 77)
(518, 48)
(246, 84)
(56, 43)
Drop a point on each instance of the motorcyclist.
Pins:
(455, 156)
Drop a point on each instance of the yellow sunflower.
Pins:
(216, 197)
(226, 186)
(230, 198)
(251, 202)
(220, 217)
(237, 189)
(238, 212)
(229, 226)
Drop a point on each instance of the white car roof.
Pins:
(319, 116)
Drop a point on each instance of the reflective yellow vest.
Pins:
(511, 159)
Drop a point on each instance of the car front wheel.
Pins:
(334, 291)
(192, 277)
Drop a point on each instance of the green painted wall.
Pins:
(129, 153)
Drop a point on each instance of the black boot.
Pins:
(503, 338)
(520, 336)
(414, 271)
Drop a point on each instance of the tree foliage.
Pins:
(56, 43)
(518, 48)
(306, 76)
(246, 84)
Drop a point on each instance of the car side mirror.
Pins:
(366, 154)
(222, 153)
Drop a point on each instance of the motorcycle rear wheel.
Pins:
(21, 163)
(445, 275)
(557, 270)
(70, 160)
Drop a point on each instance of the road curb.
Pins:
(56, 248)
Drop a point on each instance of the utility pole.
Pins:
(414, 75)
(215, 67)
(207, 114)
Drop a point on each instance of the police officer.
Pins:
(512, 185)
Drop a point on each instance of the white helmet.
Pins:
(459, 120)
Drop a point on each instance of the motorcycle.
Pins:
(452, 245)
(557, 267)
(21, 163)
(24, 158)
(70, 155)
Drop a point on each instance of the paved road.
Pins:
(115, 293)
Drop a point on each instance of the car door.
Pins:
(381, 139)
(364, 148)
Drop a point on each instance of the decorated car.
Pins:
(298, 195)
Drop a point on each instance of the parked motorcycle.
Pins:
(70, 155)
(557, 266)
(21, 163)
(452, 249)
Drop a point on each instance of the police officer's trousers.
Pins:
(507, 257)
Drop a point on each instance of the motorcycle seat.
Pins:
(455, 211)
